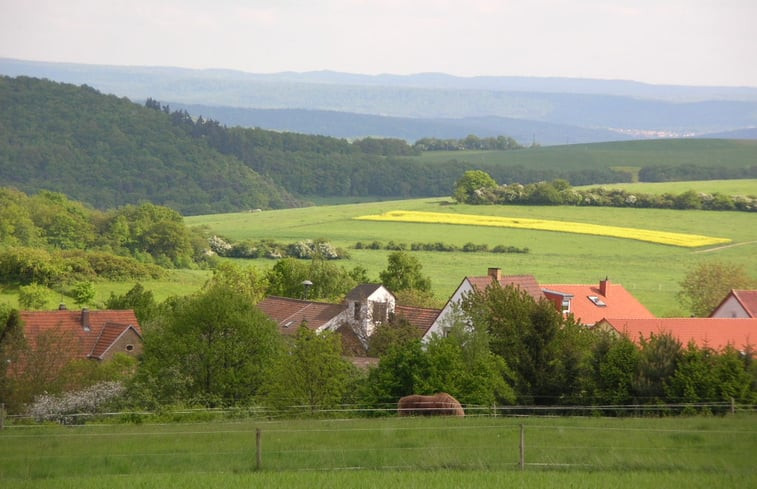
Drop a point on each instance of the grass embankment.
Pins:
(480, 452)
(650, 271)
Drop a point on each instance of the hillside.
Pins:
(108, 151)
(635, 109)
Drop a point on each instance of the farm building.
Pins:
(590, 303)
(737, 304)
(96, 335)
(356, 318)
(713, 333)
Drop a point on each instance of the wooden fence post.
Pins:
(258, 448)
(2, 416)
(733, 406)
(522, 447)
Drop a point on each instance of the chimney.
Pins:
(603, 286)
(85, 319)
(495, 273)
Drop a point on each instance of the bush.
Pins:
(72, 407)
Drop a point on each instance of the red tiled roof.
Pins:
(746, 298)
(616, 302)
(420, 317)
(527, 283)
(290, 313)
(715, 333)
(104, 327)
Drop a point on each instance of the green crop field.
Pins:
(629, 155)
(639, 453)
(650, 271)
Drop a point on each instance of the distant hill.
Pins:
(351, 126)
(108, 151)
(630, 108)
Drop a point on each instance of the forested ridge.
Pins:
(108, 151)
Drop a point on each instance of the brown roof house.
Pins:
(356, 318)
(737, 304)
(590, 303)
(93, 334)
(442, 322)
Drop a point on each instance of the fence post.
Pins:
(2, 416)
(522, 447)
(733, 406)
(258, 448)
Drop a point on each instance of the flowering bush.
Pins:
(68, 407)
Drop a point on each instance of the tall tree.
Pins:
(212, 348)
(709, 282)
(404, 272)
(311, 375)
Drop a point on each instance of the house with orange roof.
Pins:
(713, 333)
(469, 285)
(738, 303)
(92, 334)
(590, 303)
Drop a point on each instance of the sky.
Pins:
(684, 42)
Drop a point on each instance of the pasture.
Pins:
(650, 271)
(626, 155)
(387, 452)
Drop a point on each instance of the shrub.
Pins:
(70, 407)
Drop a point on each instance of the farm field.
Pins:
(630, 155)
(650, 271)
(695, 452)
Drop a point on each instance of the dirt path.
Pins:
(718, 248)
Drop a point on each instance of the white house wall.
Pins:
(444, 317)
(730, 308)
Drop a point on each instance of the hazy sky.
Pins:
(692, 42)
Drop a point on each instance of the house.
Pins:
(355, 319)
(442, 322)
(93, 334)
(590, 303)
(737, 304)
(713, 333)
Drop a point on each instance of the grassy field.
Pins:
(650, 271)
(388, 452)
(630, 155)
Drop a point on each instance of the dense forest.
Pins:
(108, 151)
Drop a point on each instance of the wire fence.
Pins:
(507, 441)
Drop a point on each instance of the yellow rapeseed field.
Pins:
(649, 235)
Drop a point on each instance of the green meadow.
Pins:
(694, 452)
(630, 155)
(651, 272)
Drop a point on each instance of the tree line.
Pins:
(478, 187)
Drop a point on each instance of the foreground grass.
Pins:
(388, 452)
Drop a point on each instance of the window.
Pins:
(357, 310)
(566, 305)
(129, 347)
(597, 301)
(379, 311)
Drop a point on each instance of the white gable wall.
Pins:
(730, 308)
(443, 320)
